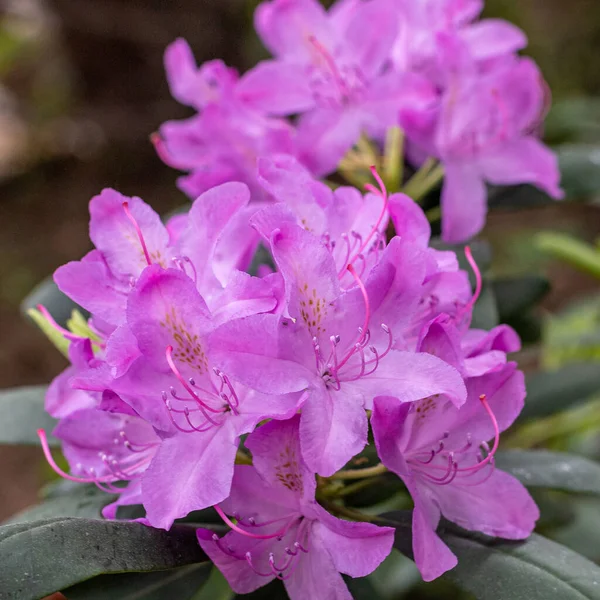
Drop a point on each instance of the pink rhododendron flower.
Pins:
(282, 532)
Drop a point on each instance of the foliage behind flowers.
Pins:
(271, 377)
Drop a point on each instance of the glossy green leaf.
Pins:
(216, 588)
(493, 569)
(570, 249)
(515, 295)
(580, 168)
(23, 414)
(582, 532)
(180, 584)
(39, 558)
(85, 501)
(48, 294)
(555, 470)
(555, 391)
(485, 313)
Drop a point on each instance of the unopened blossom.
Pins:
(280, 532)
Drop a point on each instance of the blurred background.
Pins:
(82, 87)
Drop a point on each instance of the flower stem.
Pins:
(424, 180)
(356, 487)
(393, 159)
(351, 513)
(360, 473)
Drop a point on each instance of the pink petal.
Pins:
(115, 236)
(333, 429)
(190, 471)
(357, 549)
(493, 37)
(526, 160)
(276, 88)
(464, 202)
(500, 507)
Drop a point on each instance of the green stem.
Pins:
(434, 214)
(360, 473)
(571, 250)
(356, 487)
(424, 180)
(393, 159)
(355, 515)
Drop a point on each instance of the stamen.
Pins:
(185, 384)
(382, 193)
(492, 452)
(365, 295)
(138, 231)
(106, 479)
(478, 281)
(64, 332)
(331, 64)
(256, 536)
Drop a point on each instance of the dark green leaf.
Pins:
(485, 313)
(555, 391)
(362, 589)
(493, 569)
(37, 559)
(515, 295)
(180, 584)
(48, 294)
(573, 119)
(583, 531)
(85, 501)
(556, 470)
(529, 326)
(23, 414)
(580, 169)
(481, 250)
(216, 588)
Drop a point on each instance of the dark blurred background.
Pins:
(82, 87)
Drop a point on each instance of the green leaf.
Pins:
(555, 391)
(23, 414)
(216, 588)
(40, 558)
(515, 295)
(580, 168)
(583, 530)
(565, 247)
(57, 304)
(180, 584)
(493, 569)
(555, 470)
(485, 313)
(573, 119)
(57, 339)
(480, 249)
(85, 501)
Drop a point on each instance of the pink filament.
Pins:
(64, 332)
(330, 62)
(138, 231)
(187, 387)
(492, 452)
(104, 479)
(478, 281)
(256, 536)
(383, 193)
(364, 330)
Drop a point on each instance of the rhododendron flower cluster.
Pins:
(455, 85)
(204, 380)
